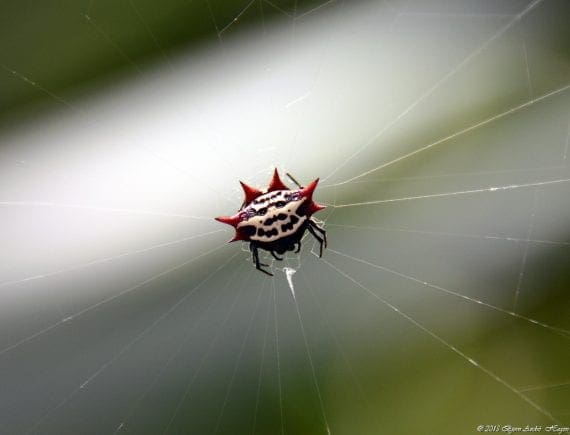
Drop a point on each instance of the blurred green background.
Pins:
(66, 46)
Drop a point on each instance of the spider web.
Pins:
(441, 134)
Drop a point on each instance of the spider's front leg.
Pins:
(255, 255)
(276, 256)
(313, 228)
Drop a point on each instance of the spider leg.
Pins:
(255, 255)
(275, 256)
(313, 224)
(319, 238)
(293, 180)
(298, 247)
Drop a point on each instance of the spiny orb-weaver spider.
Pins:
(276, 219)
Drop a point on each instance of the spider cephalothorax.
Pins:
(275, 220)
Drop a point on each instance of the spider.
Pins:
(276, 220)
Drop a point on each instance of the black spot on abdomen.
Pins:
(289, 225)
(262, 233)
(270, 221)
(248, 230)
